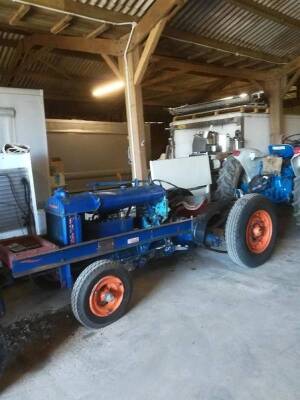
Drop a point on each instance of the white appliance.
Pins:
(22, 121)
(185, 172)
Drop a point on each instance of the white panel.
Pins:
(257, 131)
(183, 139)
(188, 172)
(292, 124)
(7, 126)
(90, 150)
(30, 129)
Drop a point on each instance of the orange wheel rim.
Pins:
(259, 231)
(106, 296)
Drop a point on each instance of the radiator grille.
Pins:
(13, 206)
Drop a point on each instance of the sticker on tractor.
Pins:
(133, 240)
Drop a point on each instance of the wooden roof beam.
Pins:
(267, 13)
(78, 9)
(161, 77)
(200, 40)
(97, 31)
(159, 10)
(62, 24)
(211, 70)
(94, 46)
(19, 14)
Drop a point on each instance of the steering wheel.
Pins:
(293, 140)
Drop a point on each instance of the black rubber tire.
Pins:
(83, 286)
(296, 199)
(228, 180)
(235, 230)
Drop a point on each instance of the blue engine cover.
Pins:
(277, 188)
(64, 211)
(105, 201)
(281, 150)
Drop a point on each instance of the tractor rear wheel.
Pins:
(296, 201)
(251, 230)
(101, 294)
(228, 180)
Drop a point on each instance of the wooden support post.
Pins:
(274, 91)
(135, 116)
(149, 48)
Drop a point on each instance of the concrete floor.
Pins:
(199, 327)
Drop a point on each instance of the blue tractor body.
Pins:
(275, 184)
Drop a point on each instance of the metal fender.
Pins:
(250, 160)
(295, 161)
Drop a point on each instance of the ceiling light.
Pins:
(111, 87)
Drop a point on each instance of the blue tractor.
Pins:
(275, 175)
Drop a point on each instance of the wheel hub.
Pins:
(106, 296)
(259, 231)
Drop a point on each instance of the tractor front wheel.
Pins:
(101, 294)
(251, 230)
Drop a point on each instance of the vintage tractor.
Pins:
(275, 175)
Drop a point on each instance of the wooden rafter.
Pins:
(267, 13)
(211, 70)
(216, 57)
(94, 46)
(62, 24)
(84, 10)
(19, 14)
(162, 77)
(200, 40)
(97, 31)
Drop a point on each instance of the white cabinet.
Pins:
(22, 121)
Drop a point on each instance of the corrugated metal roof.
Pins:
(221, 20)
(287, 7)
(131, 7)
